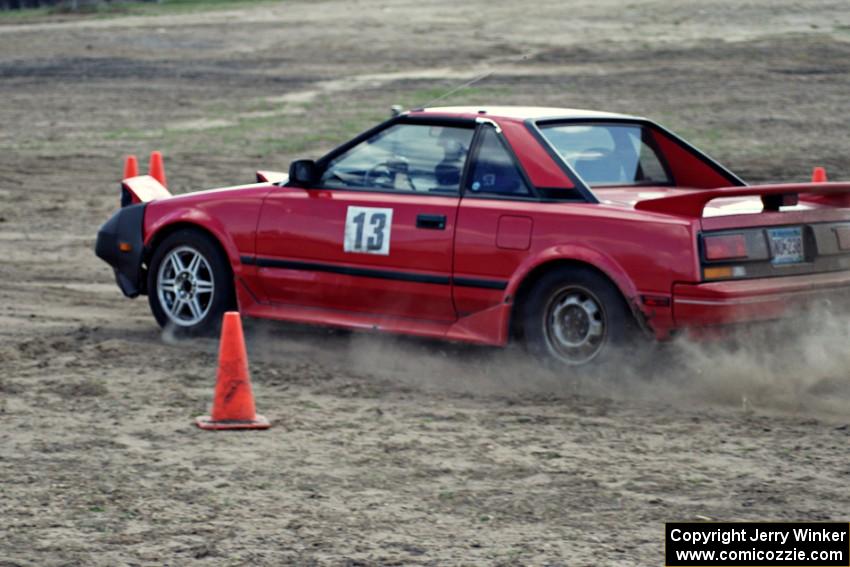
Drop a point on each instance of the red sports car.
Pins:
(570, 230)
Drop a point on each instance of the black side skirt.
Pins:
(372, 273)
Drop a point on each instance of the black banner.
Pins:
(757, 544)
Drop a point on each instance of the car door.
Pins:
(375, 233)
(494, 225)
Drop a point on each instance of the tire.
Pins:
(574, 316)
(190, 283)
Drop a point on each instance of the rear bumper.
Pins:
(124, 228)
(744, 301)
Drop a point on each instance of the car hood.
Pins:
(223, 192)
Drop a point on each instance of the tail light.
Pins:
(725, 247)
(727, 255)
(724, 272)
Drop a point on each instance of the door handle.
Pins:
(433, 222)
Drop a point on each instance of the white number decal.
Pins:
(368, 230)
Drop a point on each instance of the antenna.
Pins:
(452, 91)
(397, 109)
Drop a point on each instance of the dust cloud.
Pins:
(799, 365)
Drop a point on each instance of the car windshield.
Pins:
(608, 154)
(404, 157)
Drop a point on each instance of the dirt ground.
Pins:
(391, 451)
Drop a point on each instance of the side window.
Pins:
(404, 157)
(494, 171)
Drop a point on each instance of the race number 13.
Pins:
(368, 230)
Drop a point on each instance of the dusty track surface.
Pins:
(389, 451)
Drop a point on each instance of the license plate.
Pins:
(786, 245)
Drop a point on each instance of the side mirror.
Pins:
(303, 172)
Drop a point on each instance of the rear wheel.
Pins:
(190, 284)
(574, 316)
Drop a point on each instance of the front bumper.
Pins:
(124, 230)
(744, 301)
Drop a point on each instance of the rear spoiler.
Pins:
(772, 197)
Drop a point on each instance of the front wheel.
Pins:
(575, 316)
(189, 283)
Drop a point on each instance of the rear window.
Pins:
(608, 154)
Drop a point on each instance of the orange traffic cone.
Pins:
(156, 169)
(131, 167)
(233, 405)
(819, 175)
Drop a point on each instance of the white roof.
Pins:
(526, 112)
